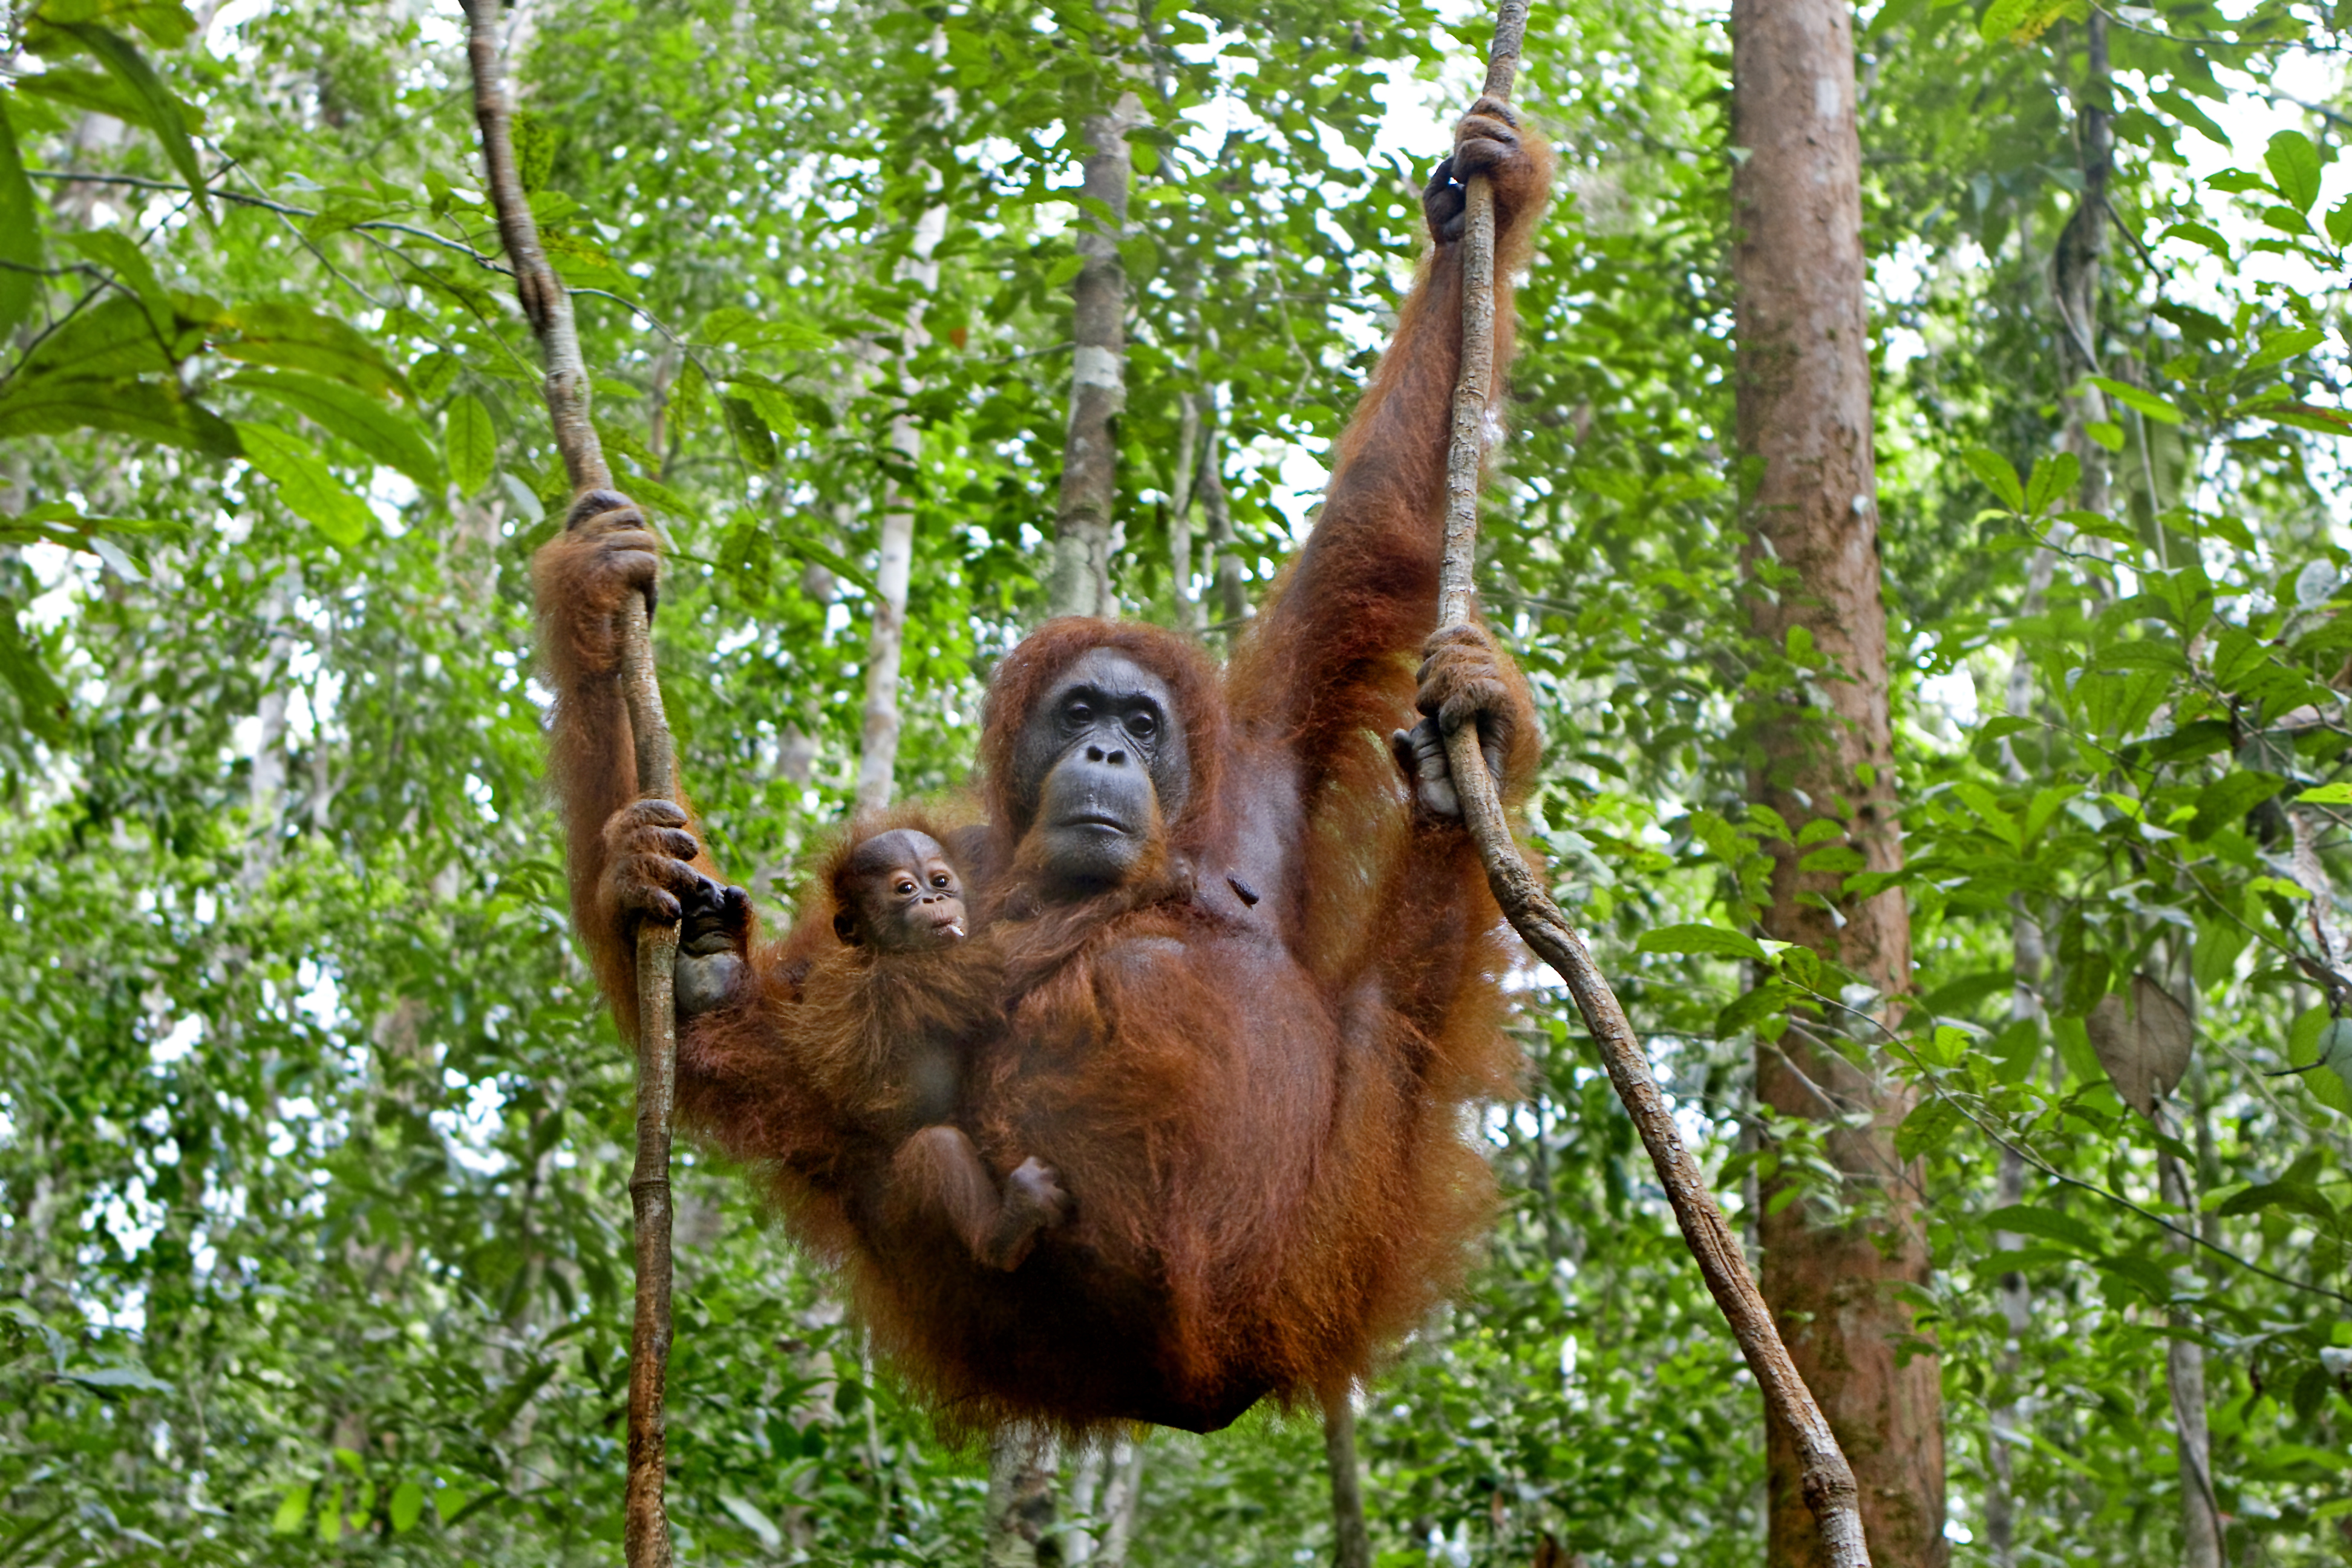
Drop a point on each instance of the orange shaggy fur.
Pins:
(1255, 1067)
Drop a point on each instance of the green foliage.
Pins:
(312, 1173)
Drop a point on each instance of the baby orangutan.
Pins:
(876, 1032)
(897, 894)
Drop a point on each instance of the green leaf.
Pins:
(2219, 940)
(2144, 653)
(2238, 181)
(306, 485)
(2295, 1198)
(2237, 653)
(2019, 21)
(2339, 223)
(93, 93)
(2025, 1219)
(2055, 477)
(2179, 106)
(2301, 415)
(293, 1504)
(752, 432)
(1834, 858)
(1963, 994)
(471, 444)
(161, 108)
(20, 234)
(389, 437)
(2284, 346)
(2200, 234)
(120, 256)
(2140, 398)
(114, 337)
(746, 329)
(1706, 941)
(517, 1395)
(2293, 164)
(450, 1501)
(40, 701)
(150, 410)
(2152, 1278)
(2225, 801)
(297, 338)
(407, 1504)
(1997, 476)
(137, 1377)
(2323, 1044)
(1930, 1126)
(1751, 1007)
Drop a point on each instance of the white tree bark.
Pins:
(1082, 540)
(877, 756)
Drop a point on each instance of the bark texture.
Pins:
(1352, 1542)
(2076, 267)
(2074, 290)
(1081, 584)
(1184, 614)
(1020, 1497)
(886, 642)
(1825, 751)
(1229, 594)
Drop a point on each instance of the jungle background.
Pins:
(313, 1134)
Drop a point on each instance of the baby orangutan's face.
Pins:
(897, 893)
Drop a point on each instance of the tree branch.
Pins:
(1830, 1489)
(549, 310)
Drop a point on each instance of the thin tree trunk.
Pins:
(1232, 595)
(1352, 1542)
(1804, 422)
(878, 754)
(2076, 265)
(1826, 1481)
(266, 799)
(1184, 471)
(545, 304)
(1081, 580)
(2075, 290)
(2201, 1514)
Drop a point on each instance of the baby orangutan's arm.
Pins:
(938, 1173)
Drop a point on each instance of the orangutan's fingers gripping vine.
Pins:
(623, 554)
(1464, 680)
(648, 866)
(1485, 142)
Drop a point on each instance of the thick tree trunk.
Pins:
(1804, 425)
(1122, 1499)
(1081, 582)
(1020, 1497)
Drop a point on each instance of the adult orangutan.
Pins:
(1233, 977)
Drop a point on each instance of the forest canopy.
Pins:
(315, 1133)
